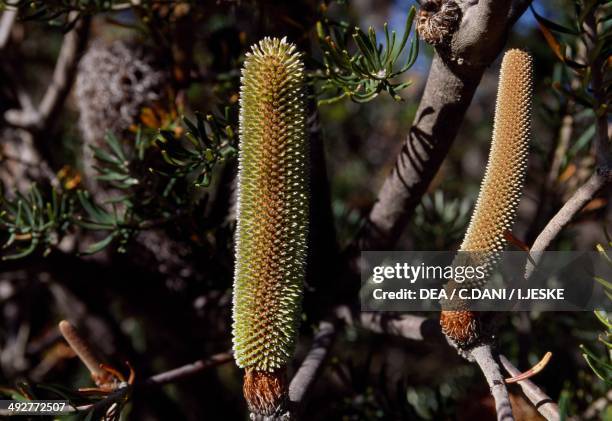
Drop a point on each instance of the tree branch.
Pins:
(309, 371)
(189, 370)
(542, 402)
(455, 73)
(406, 326)
(43, 117)
(490, 368)
(580, 198)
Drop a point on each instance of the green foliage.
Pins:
(114, 166)
(32, 221)
(602, 364)
(209, 141)
(120, 221)
(154, 191)
(564, 40)
(56, 12)
(362, 75)
(439, 222)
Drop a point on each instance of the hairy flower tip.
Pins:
(272, 208)
(265, 392)
(500, 190)
(438, 20)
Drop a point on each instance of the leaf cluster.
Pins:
(32, 221)
(154, 183)
(563, 40)
(208, 141)
(361, 75)
(602, 365)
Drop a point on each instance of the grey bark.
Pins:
(491, 370)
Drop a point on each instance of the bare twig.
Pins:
(407, 326)
(304, 378)
(189, 370)
(6, 25)
(455, 73)
(490, 368)
(41, 118)
(543, 403)
(580, 198)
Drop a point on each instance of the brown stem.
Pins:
(189, 370)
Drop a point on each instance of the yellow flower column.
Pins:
(502, 185)
(272, 220)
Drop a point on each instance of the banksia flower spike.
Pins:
(272, 220)
(501, 187)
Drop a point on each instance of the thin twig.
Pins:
(41, 118)
(309, 371)
(304, 378)
(189, 370)
(542, 402)
(490, 368)
(578, 200)
(406, 326)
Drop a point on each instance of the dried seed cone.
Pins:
(272, 219)
(501, 187)
(438, 20)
